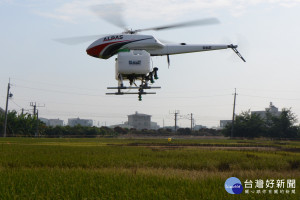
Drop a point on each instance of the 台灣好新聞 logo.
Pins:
(233, 186)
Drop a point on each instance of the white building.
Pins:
(154, 126)
(46, 121)
(198, 127)
(140, 121)
(82, 122)
(56, 122)
(52, 122)
(223, 123)
(271, 109)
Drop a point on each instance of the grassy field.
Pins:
(142, 168)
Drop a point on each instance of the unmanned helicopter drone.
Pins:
(134, 52)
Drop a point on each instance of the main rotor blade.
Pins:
(77, 40)
(111, 13)
(202, 22)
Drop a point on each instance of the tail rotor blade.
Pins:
(234, 48)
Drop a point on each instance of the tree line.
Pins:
(23, 124)
(246, 125)
(274, 126)
(27, 125)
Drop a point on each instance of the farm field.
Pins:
(111, 168)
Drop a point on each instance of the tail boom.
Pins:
(170, 49)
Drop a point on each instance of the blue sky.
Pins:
(72, 84)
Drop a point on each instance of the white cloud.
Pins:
(157, 9)
(5, 2)
(66, 18)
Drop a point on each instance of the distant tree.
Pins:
(121, 130)
(184, 131)
(252, 125)
(25, 124)
(133, 131)
(246, 125)
(91, 131)
(20, 125)
(163, 131)
(107, 131)
(207, 132)
(282, 126)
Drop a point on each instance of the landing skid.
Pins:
(144, 84)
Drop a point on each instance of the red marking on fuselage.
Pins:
(96, 50)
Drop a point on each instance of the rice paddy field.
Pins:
(112, 168)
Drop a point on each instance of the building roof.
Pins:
(139, 114)
(271, 109)
(79, 119)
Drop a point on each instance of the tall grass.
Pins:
(64, 156)
(120, 169)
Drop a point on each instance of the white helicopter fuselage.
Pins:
(133, 51)
(108, 46)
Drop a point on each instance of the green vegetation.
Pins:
(24, 125)
(245, 126)
(252, 125)
(40, 168)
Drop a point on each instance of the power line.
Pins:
(58, 91)
(193, 97)
(265, 97)
(270, 90)
(99, 95)
(16, 104)
(56, 85)
(177, 97)
(80, 88)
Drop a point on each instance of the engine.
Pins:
(134, 63)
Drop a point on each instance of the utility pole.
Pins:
(34, 111)
(9, 95)
(176, 121)
(34, 107)
(36, 114)
(176, 113)
(233, 114)
(37, 123)
(191, 122)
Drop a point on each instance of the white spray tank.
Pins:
(132, 62)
